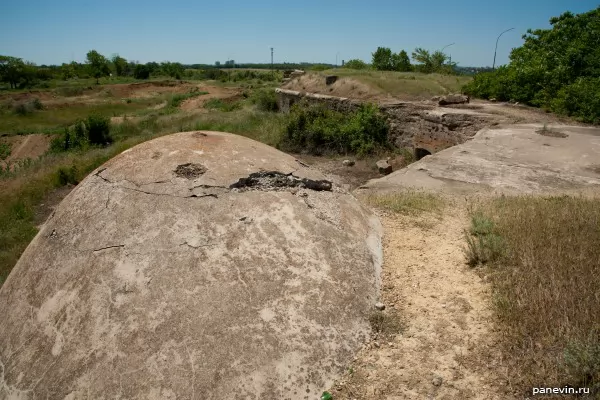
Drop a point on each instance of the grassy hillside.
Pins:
(373, 84)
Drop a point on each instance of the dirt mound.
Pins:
(214, 92)
(343, 87)
(26, 146)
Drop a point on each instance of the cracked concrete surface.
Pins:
(511, 159)
(148, 285)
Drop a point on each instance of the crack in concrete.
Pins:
(109, 247)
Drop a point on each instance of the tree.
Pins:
(120, 65)
(141, 71)
(382, 59)
(174, 70)
(98, 65)
(430, 62)
(12, 70)
(401, 62)
(557, 68)
(356, 64)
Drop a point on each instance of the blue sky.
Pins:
(53, 32)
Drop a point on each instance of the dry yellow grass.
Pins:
(543, 258)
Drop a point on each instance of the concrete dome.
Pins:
(199, 265)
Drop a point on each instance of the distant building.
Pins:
(230, 63)
(217, 63)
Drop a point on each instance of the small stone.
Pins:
(384, 167)
(437, 380)
(380, 306)
(348, 163)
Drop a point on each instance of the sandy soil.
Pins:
(31, 146)
(445, 308)
(214, 92)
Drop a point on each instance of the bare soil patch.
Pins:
(214, 92)
(27, 146)
(444, 351)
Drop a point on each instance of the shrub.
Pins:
(356, 64)
(316, 129)
(4, 150)
(64, 176)
(580, 99)
(265, 100)
(98, 130)
(483, 243)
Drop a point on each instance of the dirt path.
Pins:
(27, 146)
(445, 309)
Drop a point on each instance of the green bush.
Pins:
(316, 129)
(94, 130)
(265, 99)
(356, 64)
(64, 176)
(141, 71)
(4, 150)
(580, 99)
(556, 69)
(98, 130)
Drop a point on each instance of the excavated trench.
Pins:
(415, 125)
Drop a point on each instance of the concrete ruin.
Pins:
(412, 124)
(510, 159)
(199, 265)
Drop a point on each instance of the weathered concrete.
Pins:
(178, 271)
(513, 159)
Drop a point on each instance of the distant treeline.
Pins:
(18, 74)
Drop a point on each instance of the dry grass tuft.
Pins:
(408, 202)
(543, 256)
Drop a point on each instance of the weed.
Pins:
(221, 105)
(386, 324)
(483, 243)
(264, 99)
(5, 150)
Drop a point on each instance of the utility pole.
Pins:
(494, 65)
(336, 58)
(271, 61)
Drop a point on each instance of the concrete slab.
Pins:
(507, 159)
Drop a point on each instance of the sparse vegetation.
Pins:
(221, 105)
(543, 258)
(5, 149)
(408, 202)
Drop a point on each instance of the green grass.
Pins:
(53, 118)
(221, 105)
(542, 255)
(410, 85)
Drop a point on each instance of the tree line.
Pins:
(383, 59)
